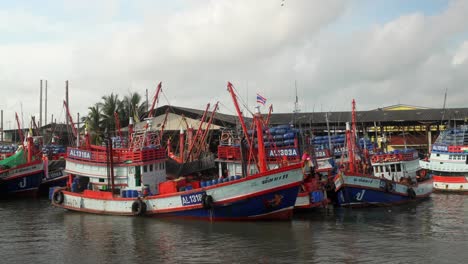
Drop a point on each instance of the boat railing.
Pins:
(98, 154)
(459, 149)
(233, 153)
(387, 157)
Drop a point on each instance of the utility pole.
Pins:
(45, 104)
(147, 104)
(1, 129)
(40, 105)
(66, 99)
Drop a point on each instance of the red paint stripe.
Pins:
(449, 179)
(98, 164)
(23, 175)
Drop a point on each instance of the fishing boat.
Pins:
(385, 179)
(133, 181)
(281, 147)
(22, 172)
(448, 162)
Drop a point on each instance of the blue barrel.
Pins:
(283, 127)
(238, 177)
(134, 193)
(214, 181)
(280, 132)
(124, 194)
(231, 178)
(317, 196)
(203, 184)
(276, 137)
(51, 191)
(289, 135)
(208, 183)
(74, 187)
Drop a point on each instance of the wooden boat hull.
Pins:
(22, 181)
(270, 196)
(452, 184)
(362, 191)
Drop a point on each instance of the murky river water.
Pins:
(433, 231)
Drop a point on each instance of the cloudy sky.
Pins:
(379, 52)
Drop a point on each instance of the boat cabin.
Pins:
(396, 166)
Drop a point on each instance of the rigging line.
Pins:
(55, 127)
(242, 101)
(165, 97)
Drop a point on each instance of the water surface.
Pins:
(433, 231)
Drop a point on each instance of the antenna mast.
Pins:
(443, 107)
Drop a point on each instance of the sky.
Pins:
(378, 52)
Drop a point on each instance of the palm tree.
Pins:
(94, 122)
(132, 107)
(109, 106)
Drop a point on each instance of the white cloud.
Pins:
(194, 47)
(461, 55)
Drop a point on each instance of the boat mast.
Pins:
(155, 98)
(241, 119)
(261, 146)
(20, 132)
(351, 139)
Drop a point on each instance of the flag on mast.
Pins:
(261, 100)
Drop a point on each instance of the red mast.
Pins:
(351, 139)
(20, 132)
(155, 98)
(117, 124)
(239, 113)
(203, 138)
(244, 128)
(74, 130)
(198, 134)
(261, 146)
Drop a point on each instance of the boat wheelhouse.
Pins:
(448, 160)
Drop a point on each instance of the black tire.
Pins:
(138, 207)
(207, 201)
(411, 193)
(58, 197)
(388, 186)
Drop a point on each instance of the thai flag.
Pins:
(261, 100)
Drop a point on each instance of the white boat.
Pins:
(448, 161)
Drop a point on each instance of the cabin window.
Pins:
(151, 167)
(145, 168)
(398, 167)
(450, 157)
(438, 155)
(377, 169)
(101, 180)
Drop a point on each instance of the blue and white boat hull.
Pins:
(361, 191)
